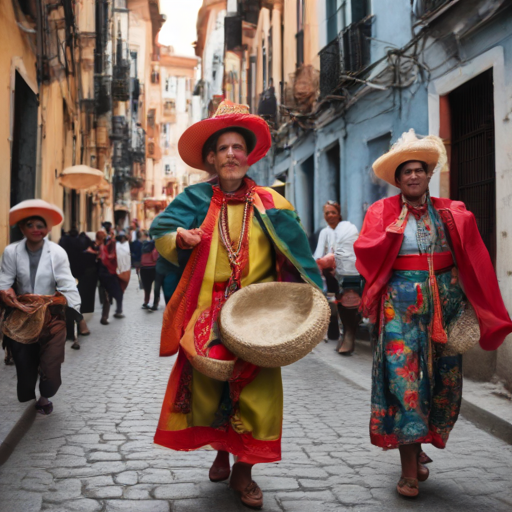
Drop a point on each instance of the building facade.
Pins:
(73, 96)
(339, 81)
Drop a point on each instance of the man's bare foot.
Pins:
(220, 469)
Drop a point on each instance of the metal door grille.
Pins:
(473, 175)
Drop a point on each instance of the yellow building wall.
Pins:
(15, 53)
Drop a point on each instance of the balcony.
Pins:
(347, 54)
(138, 149)
(102, 94)
(121, 81)
(330, 67)
(121, 155)
(426, 8)
(119, 128)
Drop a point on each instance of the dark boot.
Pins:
(350, 319)
(105, 311)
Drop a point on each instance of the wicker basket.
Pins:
(274, 324)
(214, 368)
(464, 333)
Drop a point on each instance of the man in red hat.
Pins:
(32, 272)
(222, 235)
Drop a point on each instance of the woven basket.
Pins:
(214, 368)
(274, 324)
(464, 333)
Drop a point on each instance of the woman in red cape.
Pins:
(423, 259)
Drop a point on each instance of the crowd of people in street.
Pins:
(418, 271)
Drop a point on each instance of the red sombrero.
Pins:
(36, 208)
(228, 115)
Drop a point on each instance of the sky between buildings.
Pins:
(180, 28)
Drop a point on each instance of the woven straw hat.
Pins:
(36, 208)
(274, 324)
(408, 147)
(213, 368)
(228, 115)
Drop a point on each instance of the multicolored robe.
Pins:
(243, 416)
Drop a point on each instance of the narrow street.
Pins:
(95, 452)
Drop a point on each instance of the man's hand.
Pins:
(328, 262)
(189, 238)
(7, 296)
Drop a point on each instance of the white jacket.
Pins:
(53, 272)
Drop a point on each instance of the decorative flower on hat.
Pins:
(228, 115)
(409, 147)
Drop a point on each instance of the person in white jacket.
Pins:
(336, 258)
(39, 267)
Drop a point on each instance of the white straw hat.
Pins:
(409, 147)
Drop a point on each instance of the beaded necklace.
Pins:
(237, 257)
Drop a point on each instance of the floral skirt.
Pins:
(408, 404)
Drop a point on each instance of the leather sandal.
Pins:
(219, 473)
(423, 458)
(423, 473)
(46, 409)
(408, 487)
(252, 496)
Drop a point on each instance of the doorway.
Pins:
(305, 194)
(24, 147)
(473, 175)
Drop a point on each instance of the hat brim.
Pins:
(191, 143)
(36, 208)
(385, 166)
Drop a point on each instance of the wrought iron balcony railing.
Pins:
(348, 54)
(102, 94)
(422, 8)
(121, 81)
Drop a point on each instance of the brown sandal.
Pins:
(219, 473)
(252, 496)
(408, 487)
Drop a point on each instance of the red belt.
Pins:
(420, 262)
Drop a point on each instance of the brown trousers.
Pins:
(43, 359)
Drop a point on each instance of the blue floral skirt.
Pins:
(416, 395)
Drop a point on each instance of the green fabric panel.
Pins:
(187, 210)
(292, 241)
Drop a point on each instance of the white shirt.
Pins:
(124, 257)
(340, 242)
(53, 272)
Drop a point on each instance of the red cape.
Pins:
(376, 250)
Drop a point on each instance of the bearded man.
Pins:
(226, 233)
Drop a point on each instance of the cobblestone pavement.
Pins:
(95, 452)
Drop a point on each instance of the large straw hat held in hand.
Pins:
(274, 324)
(409, 147)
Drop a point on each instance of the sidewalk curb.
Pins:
(487, 421)
(480, 417)
(17, 432)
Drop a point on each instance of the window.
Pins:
(166, 85)
(336, 11)
(167, 169)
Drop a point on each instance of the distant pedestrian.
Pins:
(36, 285)
(411, 251)
(83, 268)
(335, 257)
(148, 274)
(124, 259)
(136, 250)
(110, 287)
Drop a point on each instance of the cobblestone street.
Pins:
(95, 452)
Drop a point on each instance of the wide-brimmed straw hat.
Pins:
(52, 215)
(274, 324)
(409, 147)
(228, 115)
